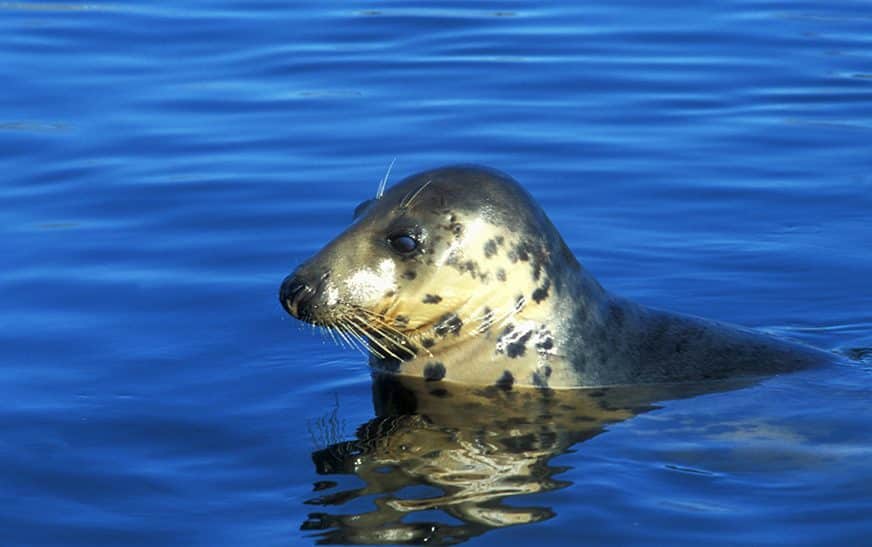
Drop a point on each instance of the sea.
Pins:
(164, 165)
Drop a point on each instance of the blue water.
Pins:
(165, 165)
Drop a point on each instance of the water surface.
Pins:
(165, 165)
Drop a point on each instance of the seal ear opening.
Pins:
(361, 208)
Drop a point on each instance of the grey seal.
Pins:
(457, 275)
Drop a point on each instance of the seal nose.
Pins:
(294, 294)
(297, 295)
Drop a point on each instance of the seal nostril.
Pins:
(298, 292)
(293, 295)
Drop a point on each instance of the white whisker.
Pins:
(407, 201)
(364, 340)
(384, 181)
(372, 339)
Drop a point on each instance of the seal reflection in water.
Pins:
(467, 450)
(457, 275)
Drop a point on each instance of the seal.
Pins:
(457, 275)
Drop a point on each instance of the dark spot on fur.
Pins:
(500, 240)
(541, 293)
(453, 226)
(537, 270)
(390, 294)
(520, 301)
(546, 344)
(427, 342)
(401, 320)
(513, 256)
(434, 372)
(449, 323)
(521, 250)
(505, 381)
(432, 299)
(539, 380)
(439, 392)
(490, 248)
(409, 274)
(519, 346)
(501, 274)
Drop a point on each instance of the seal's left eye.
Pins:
(403, 243)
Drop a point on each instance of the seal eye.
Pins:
(403, 243)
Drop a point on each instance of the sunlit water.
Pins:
(165, 165)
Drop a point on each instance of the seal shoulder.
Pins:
(678, 347)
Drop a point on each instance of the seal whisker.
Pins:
(406, 339)
(358, 341)
(384, 181)
(407, 201)
(385, 329)
(343, 337)
(356, 322)
(338, 337)
(356, 335)
(395, 339)
(382, 322)
(489, 318)
(332, 334)
(351, 338)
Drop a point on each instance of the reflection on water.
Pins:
(459, 453)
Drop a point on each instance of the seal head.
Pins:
(445, 258)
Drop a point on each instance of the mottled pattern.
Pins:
(449, 324)
(506, 381)
(434, 372)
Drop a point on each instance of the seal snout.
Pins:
(291, 293)
(297, 295)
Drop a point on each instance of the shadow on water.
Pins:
(438, 462)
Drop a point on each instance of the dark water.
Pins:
(165, 165)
